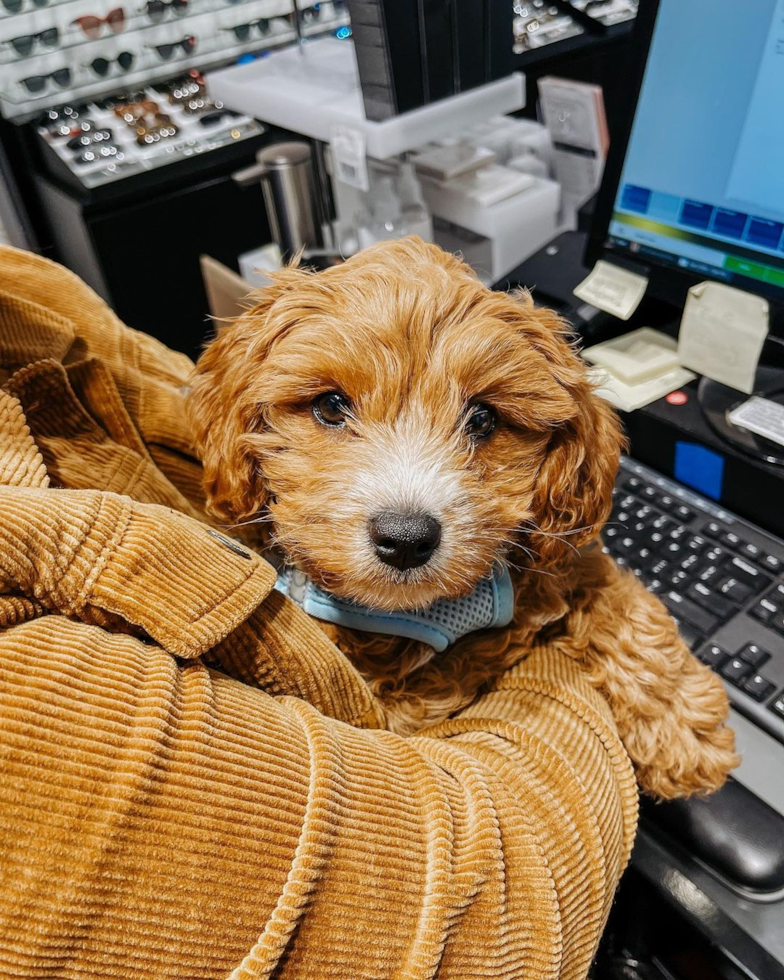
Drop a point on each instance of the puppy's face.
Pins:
(401, 427)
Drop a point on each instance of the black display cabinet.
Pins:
(137, 242)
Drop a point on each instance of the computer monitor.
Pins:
(694, 185)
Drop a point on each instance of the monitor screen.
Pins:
(702, 182)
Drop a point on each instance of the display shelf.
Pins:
(538, 24)
(29, 7)
(209, 21)
(311, 88)
(136, 23)
(192, 139)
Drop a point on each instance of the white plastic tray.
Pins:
(309, 88)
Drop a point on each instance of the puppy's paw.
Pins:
(687, 750)
(678, 763)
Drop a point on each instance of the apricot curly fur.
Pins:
(409, 335)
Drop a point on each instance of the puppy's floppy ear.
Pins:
(223, 412)
(573, 491)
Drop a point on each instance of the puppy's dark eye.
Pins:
(479, 422)
(331, 408)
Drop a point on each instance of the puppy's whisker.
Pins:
(558, 537)
(561, 534)
(528, 551)
(261, 519)
(541, 571)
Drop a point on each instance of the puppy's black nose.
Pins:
(405, 540)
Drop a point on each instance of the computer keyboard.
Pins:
(721, 578)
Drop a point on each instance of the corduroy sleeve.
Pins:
(160, 819)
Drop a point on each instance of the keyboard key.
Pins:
(713, 656)
(649, 493)
(660, 566)
(754, 655)
(777, 706)
(633, 483)
(689, 562)
(645, 511)
(735, 670)
(717, 555)
(611, 532)
(731, 539)
(684, 513)
(713, 530)
(697, 544)
(772, 563)
(685, 609)
(742, 570)
(765, 610)
(664, 524)
(690, 636)
(709, 600)
(758, 687)
(735, 591)
(749, 550)
(710, 575)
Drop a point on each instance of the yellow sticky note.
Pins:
(612, 289)
(722, 333)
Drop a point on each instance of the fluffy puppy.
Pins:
(397, 384)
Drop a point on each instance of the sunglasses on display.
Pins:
(162, 129)
(156, 9)
(89, 138)
(212, 118)
(14, 6)
(91, 25)
(24, 44)
(185, 87)
(63, 129)
(166, 51)
(105, 152)
(184, 95)
(242, 31)
(198, 103)
(101, 66)
(65, 120)
(310, 14)
(132, 112)
(119, 100)
(37, 83)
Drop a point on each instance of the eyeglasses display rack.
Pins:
(121, 159)
(97, 143)
(537, 24)
(53, 51)
(114, 62)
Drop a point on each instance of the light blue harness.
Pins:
(490, 604)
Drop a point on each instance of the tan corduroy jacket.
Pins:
(194, 782)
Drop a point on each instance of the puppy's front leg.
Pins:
(670, 709)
